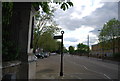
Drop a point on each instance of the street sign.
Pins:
(58, 37)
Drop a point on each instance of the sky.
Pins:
(85, 18)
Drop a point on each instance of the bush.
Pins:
(9, 51)
(116, 55)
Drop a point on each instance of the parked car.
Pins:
(40, 55)
(32, 58)
(53, 53)
(46, 55)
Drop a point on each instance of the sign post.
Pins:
(61, 64)
(61, 69)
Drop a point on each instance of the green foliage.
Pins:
(65, 50)
(82, 46)
(65, 5)
(47, 42)
(71, 49)
(46, 8)
(58, 47)
(7, 7)
(45, 35)
(44, 23)
(110, 31)
(44, 17)
(116, 55)
(44, 5)
(81, 49)
(9, 50)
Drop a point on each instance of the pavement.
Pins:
(76, 67)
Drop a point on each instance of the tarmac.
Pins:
(45, 73)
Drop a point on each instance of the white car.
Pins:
(32, 58)
(52, 53)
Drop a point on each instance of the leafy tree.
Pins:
(47, 42)
(65, 50)
(82, 48)
(58, 47)
(71, 49)
(9, 49)
(52, 29)
(110, 31)
(45, 17)
(46, 8)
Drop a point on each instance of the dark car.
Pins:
(39, 55)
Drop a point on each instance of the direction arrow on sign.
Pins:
(58, 37)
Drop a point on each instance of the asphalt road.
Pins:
(76, 67)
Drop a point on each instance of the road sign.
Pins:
(58, 37)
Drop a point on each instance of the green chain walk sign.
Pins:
(61, 64)
(58, 37)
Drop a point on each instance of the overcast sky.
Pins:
(85, 18)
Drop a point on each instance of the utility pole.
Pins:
(88, 46)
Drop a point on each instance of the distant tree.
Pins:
(71, 49)
(58, 47)
(65, 50)
(47, 43)
(82, 48)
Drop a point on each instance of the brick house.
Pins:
(107, 49)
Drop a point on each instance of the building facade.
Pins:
(106, 49)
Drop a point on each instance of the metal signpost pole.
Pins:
(61, 64)
(61, 67)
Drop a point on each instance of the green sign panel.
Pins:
(58, 37)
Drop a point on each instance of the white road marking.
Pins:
(91, 70)
(107, 76)
(85, 67)
(96, 72)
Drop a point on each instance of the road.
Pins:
(76, 67)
